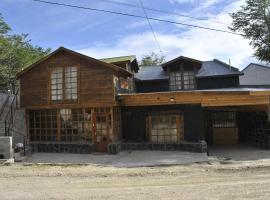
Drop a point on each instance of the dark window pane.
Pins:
(224, 119)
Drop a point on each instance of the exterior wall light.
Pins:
(172, 99)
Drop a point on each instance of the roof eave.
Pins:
(223, 75)
(164, 65)
(149, 80)
(116, 68)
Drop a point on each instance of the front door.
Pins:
(100, 131)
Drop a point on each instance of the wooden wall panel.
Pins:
(95, 82)
(33, 87)
(206, 99)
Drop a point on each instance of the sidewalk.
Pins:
(123, 159)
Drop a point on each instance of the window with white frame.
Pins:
(176, 80)
(189, 80)
(57, 84)
(182, 80)
(71, 83)
(64, 83)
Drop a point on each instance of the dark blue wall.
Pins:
(152, 86)
(201, 83)
(134, 121)
(218, 82)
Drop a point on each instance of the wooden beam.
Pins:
(79, 105)
(206, 99)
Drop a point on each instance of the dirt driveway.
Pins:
(200, 181)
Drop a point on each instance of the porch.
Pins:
(221, 117)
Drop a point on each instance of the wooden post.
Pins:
(112, 126)
(268, 113)
(58, 125)
(27, 123)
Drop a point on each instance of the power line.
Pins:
(151, 27)
(136, 16)
(162, 11)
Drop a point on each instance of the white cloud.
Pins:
(196, 43)
(200, 3)
(182, 1)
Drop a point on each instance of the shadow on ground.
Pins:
(238, 152)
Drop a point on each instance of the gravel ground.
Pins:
(230, 180)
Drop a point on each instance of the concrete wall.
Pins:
(19, 127)
(6, 151)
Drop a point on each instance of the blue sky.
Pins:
(105, 35)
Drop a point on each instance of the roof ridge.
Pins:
(179, 57)
(263, 65)
(257, 64)
(117, 57)
(226, 65)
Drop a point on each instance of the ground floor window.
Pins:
(71, 125)
(165, 128)
(224, 119)
(43, 125)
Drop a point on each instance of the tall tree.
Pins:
(16, 52)
(152, 59)
(253, 21)
(4, 27)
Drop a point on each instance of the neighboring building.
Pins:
(197, 75)
(75, 103)
(256, 75)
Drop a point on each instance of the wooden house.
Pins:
(75, 103)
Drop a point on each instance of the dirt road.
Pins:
(96, 182)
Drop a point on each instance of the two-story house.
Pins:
(75, 103)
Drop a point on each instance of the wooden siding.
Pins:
(225, 135)
(206, 99)
(34, 87)
(95, 83)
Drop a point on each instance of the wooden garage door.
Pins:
(225, 135)
(225, 130)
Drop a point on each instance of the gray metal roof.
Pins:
(216, 68)
(151, 73)
(267, 66)
(209, 69)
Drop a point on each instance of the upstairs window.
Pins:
(189, 80)
(64, 83)
(71, 83)
(57, 84)
(182, 80)
(176, 81)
